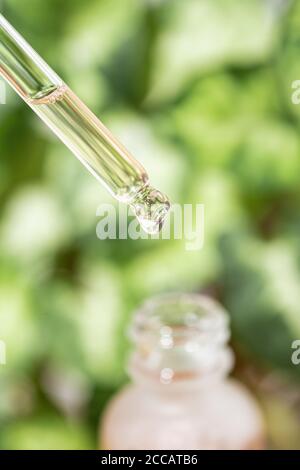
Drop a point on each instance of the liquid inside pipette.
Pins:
(88, 139)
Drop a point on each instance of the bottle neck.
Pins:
(168, 380)
(180, 343)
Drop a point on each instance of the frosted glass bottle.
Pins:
(181, 397)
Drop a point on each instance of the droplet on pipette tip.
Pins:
(150, 207)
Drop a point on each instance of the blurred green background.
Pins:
(200, 92)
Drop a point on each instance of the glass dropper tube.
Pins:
(79, 129)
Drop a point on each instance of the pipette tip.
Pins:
(151, 208)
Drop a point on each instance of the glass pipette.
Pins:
(79, 129)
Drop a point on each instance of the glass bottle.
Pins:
(181, 397)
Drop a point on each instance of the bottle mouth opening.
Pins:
(181, 316)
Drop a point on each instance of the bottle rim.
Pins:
(180, 314)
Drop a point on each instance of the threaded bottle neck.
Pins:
(180, 338)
